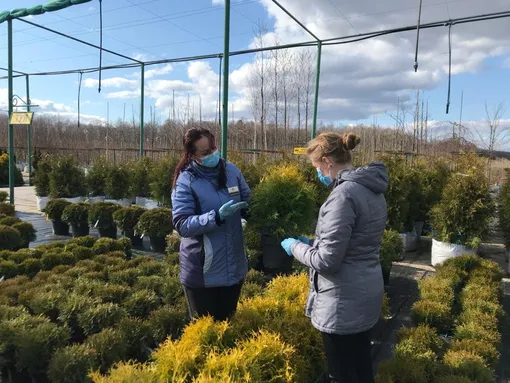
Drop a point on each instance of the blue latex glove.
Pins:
(305, 240)
(287, 245)
(230, 208)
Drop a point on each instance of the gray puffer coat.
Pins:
(346, 285)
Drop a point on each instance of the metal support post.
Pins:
(142, 107)
(10, 96)
(317, 86)
(29, 134)
(226, 59)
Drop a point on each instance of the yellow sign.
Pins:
(300, 151)
(21, 118)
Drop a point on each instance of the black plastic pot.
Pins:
(136, 241)
(274, 258)
(80, 229)
(108, 232)
(386, 271)
(158, 244)
(60, 227)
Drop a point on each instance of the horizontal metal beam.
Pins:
(15, 71)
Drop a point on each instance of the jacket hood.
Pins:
(374, 177)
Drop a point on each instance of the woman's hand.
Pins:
(287, 245)
(230, 208)
(305, 240)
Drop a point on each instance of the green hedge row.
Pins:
(457, 320)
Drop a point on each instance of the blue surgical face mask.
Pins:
(325, 180)
(211, 160)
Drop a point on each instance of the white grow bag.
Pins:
(441, 251)
(42, 202)
(74, 200)
(410, 241)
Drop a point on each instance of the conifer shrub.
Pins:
(168, 322)
(470, 365)
(138, 337)
(128, 372)
(110, 347)
(95, 318)
(140, 303)
(72, 364)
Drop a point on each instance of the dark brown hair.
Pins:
(188, 142)
(333, 145)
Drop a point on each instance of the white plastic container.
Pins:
(441, 251)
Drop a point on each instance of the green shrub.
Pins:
(161, 178)
(22, 254)
(465, 210)
(283, 204)
(172, 291)
(423, 337)
(392, 248)
(437, 289)
(67, 179)
(30, 267)
(151, 282)
(96, 318)
(27, 232)
(256, 277)
(71, 307)
(41, 178)
(105, 245)
(127, 372)
(52, 259)
(404, 370)
(43, 302)
(11, 312)
(96, 177)
(118, 182)
(138, 336)
(473, 330)
(76, 214)
(435, 314)
(7, 209)
(452, 379)
(124, 277)
(173, 243)
(168, 321)
(172, 259)
(155, 223)
(141, 171)
(3, 196)
(55, 208)
(9, 269)
(152, 267)
(72, 364)
(10, 238)
(82, 253)
(110, 347)
(87, 241)
(251, 290)
(397, 193)
(113, 258)
(9, 221)
(101, 214)
(141, 302)
(470, 365)
(126, 218)
(6, 254)
(113, 293)
(486, 350)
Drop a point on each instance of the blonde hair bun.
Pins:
(350, 141)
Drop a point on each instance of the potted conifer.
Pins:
(42, 181)
(118, 182)
(54, 210)
(77, 215)
(126, 219)
(101, 217)
(156, 224)
(96, 180)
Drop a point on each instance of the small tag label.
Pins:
(97, 223)
(46, 217)
(234, 190)
(141, 237)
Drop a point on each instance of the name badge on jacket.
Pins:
(233, 191)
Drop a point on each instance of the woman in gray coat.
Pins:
(346, 284)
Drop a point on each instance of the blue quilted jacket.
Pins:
(212, 252)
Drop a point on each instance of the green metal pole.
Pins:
(317, 86)
(29, 134)
(226, 52)
(142, 108)
(11, 130)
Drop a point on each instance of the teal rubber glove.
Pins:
(305, 240)
(287, 245)
(231, 208)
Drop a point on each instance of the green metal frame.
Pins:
(142, 109)
(29, 133)
(11, 128)
(226, 62)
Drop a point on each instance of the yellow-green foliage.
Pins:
(264, 358)
(385, 309)
(436, 314)
(180, 361)
(486, 350)
(403, 370)
(420, 340)
(292, 289)
(470, 365)
(437, 289)
(129, 372)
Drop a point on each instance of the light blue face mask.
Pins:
(325, 180)
(211, 161)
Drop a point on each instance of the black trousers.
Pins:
(218, 302)
(349, 357)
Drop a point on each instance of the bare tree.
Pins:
(498, 135)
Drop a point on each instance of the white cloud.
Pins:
(158, 71)
(113, 82)
(218, 2)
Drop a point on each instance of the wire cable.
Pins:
(417, 37)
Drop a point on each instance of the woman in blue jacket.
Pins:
(208, 199)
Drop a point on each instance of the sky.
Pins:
(358, 81)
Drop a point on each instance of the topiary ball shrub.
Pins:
(53, 259)
(486, 350)
(67, 179)
(118, 182)
(161, 180)
(76, 213)
(470, 365)
(255, 277)
(173, 243)
(141, 170)
(110, 347)
(251, 290)
(101, 214)
(10, 238)
(72, 364)
(126, 218)
(27, 232)
(104, 245)
(87, 241)
(138, 336)
(156, 223)
(3, 196)
(96, 177)
(437, 315)
(7, 209)
(55, 208)
(9, 269)
(30, 267)
(82, 253)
